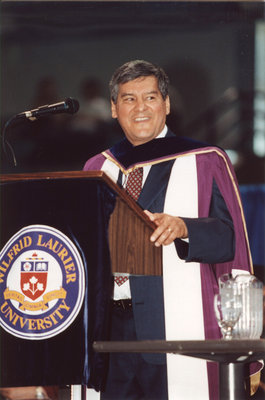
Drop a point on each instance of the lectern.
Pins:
(62, 235)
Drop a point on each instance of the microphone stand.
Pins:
(5, 142)
(70, 105)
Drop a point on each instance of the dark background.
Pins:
(51, 49)
(54, 50)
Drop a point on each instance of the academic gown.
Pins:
(196, 182)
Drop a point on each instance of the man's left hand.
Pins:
(168, 228)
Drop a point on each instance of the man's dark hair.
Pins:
(136, 69)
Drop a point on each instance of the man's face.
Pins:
(140, 109)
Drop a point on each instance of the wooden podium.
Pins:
(112, 234)
(129, 228)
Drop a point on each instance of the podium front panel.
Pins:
(35, 350)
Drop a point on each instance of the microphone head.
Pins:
(72, 105)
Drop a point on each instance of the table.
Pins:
(230, 354)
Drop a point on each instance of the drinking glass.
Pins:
(228, 308)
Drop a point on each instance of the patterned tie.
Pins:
(133, 188)
(134, 183)
(121, 279)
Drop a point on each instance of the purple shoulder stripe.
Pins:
(95, 163)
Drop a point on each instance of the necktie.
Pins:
(133, 188)
(134, 183)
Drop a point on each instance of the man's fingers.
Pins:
(155, 217)
(149, 214)
(168, 230)
(159, 235)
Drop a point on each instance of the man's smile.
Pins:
(141, 119)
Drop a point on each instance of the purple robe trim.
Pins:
(95, 163)
(218, 167)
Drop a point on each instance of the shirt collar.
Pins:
(162, 134)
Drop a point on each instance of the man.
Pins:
(190, 192)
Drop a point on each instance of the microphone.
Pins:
(69, 106)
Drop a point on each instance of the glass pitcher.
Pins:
(250, 323)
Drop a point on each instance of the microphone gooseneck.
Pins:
(69, 106)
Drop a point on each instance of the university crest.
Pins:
(42, 283)
(33, 277)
